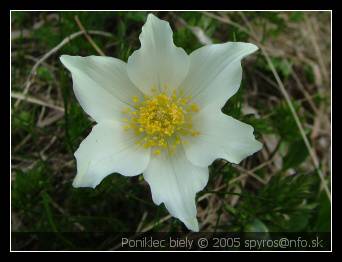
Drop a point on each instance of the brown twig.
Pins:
(316, 48)
(250, 173)
(88, 37)
(36, 101)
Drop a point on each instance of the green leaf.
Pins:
(298, 221)
(284, 124)
(283, 66)
(296, 16)
(296, 155)
(44, 74)
(261, 125)
(309, 73)
(256, 226)
(323, 222)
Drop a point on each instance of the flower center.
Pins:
(161, 121)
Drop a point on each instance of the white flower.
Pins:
(160, 115)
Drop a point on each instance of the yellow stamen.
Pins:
(194, 108)
(161, 119)
(157, 152)
(135, 99)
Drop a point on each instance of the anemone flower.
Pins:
(160, 115)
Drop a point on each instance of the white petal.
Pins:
(215, 72)
(108, 149)
(158, 62)
(175, 182)
(101, 85)
(221, 136)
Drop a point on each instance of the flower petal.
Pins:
(175, 181)
(221, 136)
(108, 149)
(101, 85)
(158, 63)
(215, 72)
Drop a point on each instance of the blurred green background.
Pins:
(276, 190)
